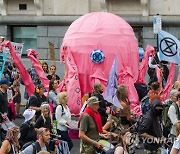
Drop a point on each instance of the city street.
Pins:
(76, 142)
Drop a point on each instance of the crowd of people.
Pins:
(103, 128)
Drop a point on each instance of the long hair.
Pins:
(96, 88)
(51, 85)
(122, 93)
(176, 85)
(177, 129)
(12, 136)
(37, 88)
(44, 105)
(44, 63)
(61, 97)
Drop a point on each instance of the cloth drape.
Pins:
(144, 65)
(33, 56)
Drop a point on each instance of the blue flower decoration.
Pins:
(97, 56)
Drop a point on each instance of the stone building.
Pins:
(37, 22)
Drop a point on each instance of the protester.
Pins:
(90, 126)
(149, 128)
(97, 91)
(11, 144)
(155, 92)
(116, 132)
(35, 78)
(125, 114)
(53, 74)
(36, 100)
(152, 64)
(7, 73)
(176, 146)
(41, 143)
(45, 68)
(45, 119)
(164, 73)
(17, 98)
(176, 85)
(174, 115)
(27, 129)
(2, 38)
(52, 94)
(63, 117)
(167, 124)
(4, 84)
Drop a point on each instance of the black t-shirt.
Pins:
(41, 123)
(3, 102)
(50, 77)
(28, 133)
(16, 99)
(36, 101)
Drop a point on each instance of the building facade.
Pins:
(38, 22)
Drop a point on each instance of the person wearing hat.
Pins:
(27, 128)
(4, 85)
(150, 128)
(90, 126)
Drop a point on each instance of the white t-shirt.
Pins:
(62, 117)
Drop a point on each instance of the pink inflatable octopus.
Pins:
(109, 34)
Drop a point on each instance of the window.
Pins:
(22, 6)
(139, 35)
(26, 35)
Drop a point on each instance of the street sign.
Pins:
(157, 24)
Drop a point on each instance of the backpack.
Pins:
(36, 147)
(165, 118)
(27, 104)
(145, 104)
(139, 123)
(62, 110)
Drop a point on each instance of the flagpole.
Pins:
(157, 42)
(110, 139)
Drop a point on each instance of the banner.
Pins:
(169, 47)
(110, 92)
(18, 48)
(52, 53)
(3, 58)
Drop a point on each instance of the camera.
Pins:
(52, 144)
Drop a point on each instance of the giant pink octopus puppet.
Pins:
(88, 50)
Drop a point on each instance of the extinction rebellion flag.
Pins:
(169, 47)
